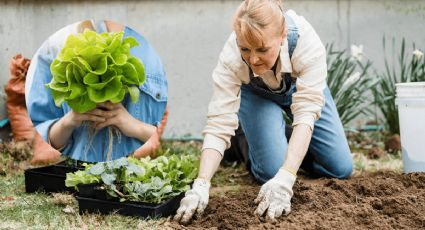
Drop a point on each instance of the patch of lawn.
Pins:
(19, 210)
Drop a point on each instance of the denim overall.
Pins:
(262, 120)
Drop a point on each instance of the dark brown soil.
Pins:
(383, 200)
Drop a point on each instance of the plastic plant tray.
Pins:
(48, 179)
(93, 205)
(91, 191)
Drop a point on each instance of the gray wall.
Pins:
(189, 35)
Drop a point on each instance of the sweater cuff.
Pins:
(213, 142)
(304, 119)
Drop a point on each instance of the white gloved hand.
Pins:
(275, 195)
(195, 199)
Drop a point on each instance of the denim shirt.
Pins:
(44, 113)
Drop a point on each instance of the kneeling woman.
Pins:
(273, 63)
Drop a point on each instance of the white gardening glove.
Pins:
(195, 199)
(275, 195)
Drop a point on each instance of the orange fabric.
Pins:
(21, 124)
(22, 127)
(154, 141)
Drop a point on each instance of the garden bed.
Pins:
(383, 200)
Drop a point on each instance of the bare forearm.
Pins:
(60, 132)
(210, 160)
(142, 131)
(297, 147)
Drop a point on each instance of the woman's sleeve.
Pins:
(41, 107)
(222, 119)
(309, 65)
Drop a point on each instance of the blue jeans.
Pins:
(261, 118)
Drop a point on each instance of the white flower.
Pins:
(357, 52)
(351, 80)
(417, 54)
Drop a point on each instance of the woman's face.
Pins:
(263, 55)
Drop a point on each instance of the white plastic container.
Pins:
(411, 110)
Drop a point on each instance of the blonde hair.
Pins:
(253, 16)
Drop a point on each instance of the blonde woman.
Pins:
(273, 63)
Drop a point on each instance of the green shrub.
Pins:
(348, 82)
(407, 68)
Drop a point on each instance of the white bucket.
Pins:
(411, 110)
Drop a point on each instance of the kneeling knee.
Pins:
(343, 171)
(264, 174)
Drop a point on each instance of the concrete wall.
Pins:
(189, 35)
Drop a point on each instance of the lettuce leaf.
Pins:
(142, 180)
(93, 68)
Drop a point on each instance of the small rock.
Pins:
(68, 210)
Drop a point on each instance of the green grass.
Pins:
(389, 162)
(19, 210)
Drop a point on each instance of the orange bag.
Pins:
(22, 127)
(21, 124)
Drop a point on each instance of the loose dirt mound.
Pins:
(374, 201)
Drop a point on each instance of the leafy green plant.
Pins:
(348, 81)
(93, 68)
(410, 68)
(141, 180)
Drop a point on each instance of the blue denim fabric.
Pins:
(149, 108)
(291, 34)
(261, 118)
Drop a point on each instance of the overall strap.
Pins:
(292, 35)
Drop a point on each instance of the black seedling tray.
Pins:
(91, 191)
(49, 179)
(93, 205)
(62, 168)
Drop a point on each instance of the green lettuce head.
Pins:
(93, 68)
